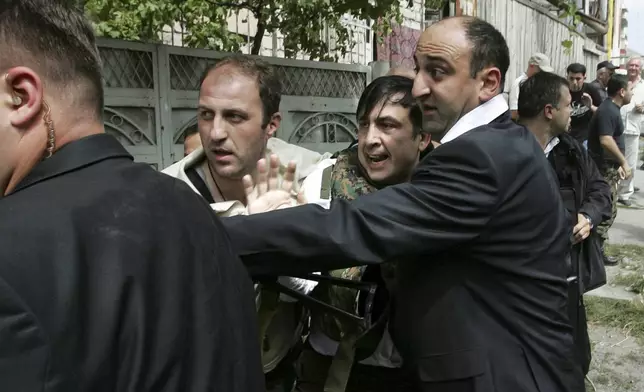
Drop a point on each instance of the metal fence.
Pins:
(152, 92)
(530, 28)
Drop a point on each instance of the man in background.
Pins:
(544, 108)
(191, 140)
(538, 62)
(633, 117)
(606, 146)
(605, 70)
(585, 100)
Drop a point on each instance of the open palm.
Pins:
(267, 192)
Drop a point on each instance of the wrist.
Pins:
(590, 221)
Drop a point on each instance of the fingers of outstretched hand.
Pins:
(289, 177)
(249, 188)
(261, 183)
(301, 199)
(273, 173)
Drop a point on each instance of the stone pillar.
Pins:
(379, 68)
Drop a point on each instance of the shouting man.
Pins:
(390, 143)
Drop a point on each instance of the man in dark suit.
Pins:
(113, 277)
(544, 108)
(480, 233)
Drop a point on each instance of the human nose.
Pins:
(373, 136)
(218, 132)
(420, 87)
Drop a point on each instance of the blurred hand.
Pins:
(581, 231)
(268, 193)
(587, 100)
(639, 108)
(624, 171)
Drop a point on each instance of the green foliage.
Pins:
(304, 23)
(568, 11)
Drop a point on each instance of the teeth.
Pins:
(377, 158)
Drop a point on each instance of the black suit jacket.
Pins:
(114, 277)
(482, 237)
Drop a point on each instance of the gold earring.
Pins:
(15, 98)
(51, 133)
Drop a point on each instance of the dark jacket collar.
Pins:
(73, 156)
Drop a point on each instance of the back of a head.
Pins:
(544, 88)
(394, 89)
(615, 84)
(57, 42)
(489, 47)
(268, 82)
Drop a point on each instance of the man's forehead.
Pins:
(228, 85)
(446, 39)
(389, 107)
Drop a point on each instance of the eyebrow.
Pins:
(387, 118)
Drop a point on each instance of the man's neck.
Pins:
(634, 79)
(229, 189)
(37, 150)
(540, 131)
(617, 101)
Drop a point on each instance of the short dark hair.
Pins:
(388, 88)
(615, 84)
(543, 88)
(54, 39)
(576, 68)
(489, 47)
(191, 130)
(270, 87)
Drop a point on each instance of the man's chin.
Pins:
(228, 171)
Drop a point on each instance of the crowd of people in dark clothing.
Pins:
(446, 250)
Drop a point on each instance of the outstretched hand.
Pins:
(268, 193)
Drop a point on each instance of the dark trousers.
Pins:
(611, 176)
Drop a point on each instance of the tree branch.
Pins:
(231, 5)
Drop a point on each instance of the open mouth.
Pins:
(428, 109)
(376, 159)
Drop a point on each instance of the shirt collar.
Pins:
(551, 145)
(73, 156)
(481, 115)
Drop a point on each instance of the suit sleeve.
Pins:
(597, 203)
(448, 201)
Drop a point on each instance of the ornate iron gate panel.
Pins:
(132, 110)
(152, 96)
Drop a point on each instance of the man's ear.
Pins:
(273, 124)
(490, 83)
(27, 96)
(547, 112)
(425, 139)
